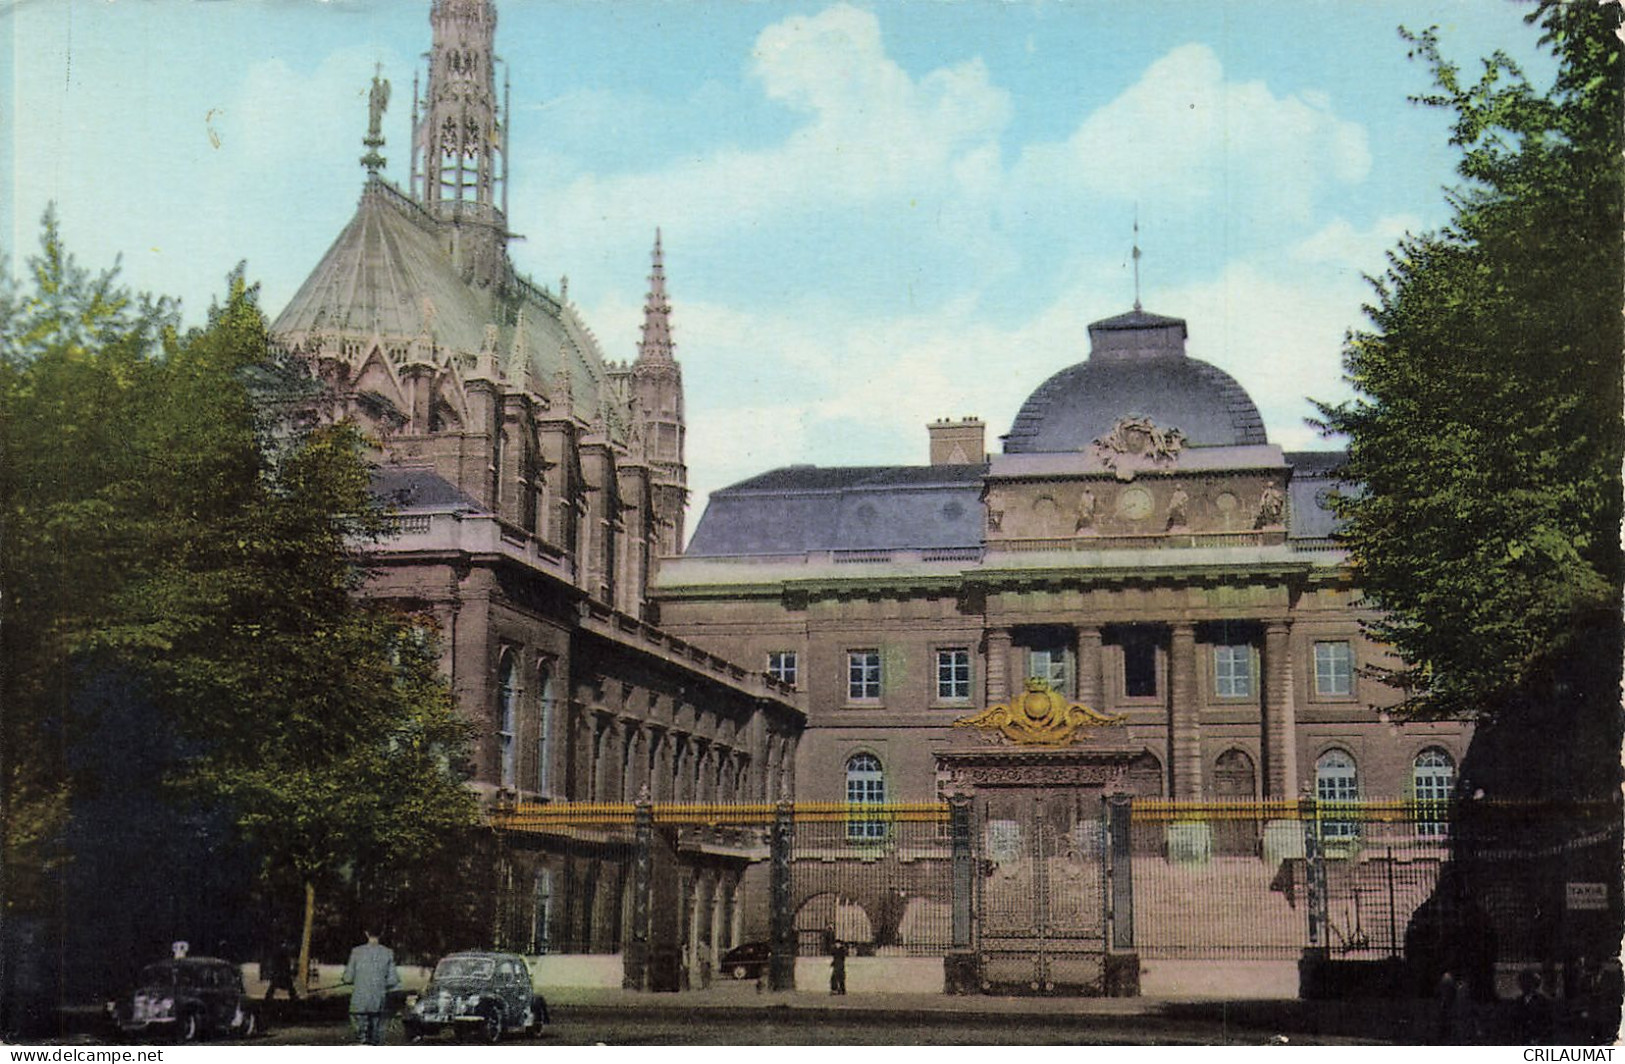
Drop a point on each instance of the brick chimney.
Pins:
(962, 442)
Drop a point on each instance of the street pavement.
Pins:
(736, 1013)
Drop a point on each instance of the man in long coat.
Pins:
(371, 970)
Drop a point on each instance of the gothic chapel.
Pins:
(537, 485)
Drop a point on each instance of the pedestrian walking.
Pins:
(371, 970)
(837, 967)
(1531, 1011)
(279, 973)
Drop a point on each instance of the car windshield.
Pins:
(465, 968)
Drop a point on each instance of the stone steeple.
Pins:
(656, 345)
(460, 139)
(657, 392)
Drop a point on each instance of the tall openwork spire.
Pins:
(460, 140)
(656, 345)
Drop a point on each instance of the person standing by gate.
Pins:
(837, 967)
(371, 970)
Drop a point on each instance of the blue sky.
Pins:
(874, 214)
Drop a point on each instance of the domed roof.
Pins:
(1137, 366)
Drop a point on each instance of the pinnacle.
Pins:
(656, 345)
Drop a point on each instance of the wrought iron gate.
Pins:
(1041, 897)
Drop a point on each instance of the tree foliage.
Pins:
(162, 525)
(1485, 444)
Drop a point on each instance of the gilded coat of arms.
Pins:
(1039, 716)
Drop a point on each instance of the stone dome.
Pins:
(1136, 366)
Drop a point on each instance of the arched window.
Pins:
(1233, 775)
(544, 729)
(1337, 780)
(865, 784)
(541, 910)
(507, 697)
(1433, 778)
(1234, 780)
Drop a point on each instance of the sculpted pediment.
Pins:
(1136, 445)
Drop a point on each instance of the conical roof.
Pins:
(391, 276)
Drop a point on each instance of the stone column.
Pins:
(1280, 714)
(611, 760)
(635, 764)
(1088, 657)
(998, 665)
(1184, 732)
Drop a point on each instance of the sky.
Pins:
(874, 214)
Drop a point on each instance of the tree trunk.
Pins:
(303, 975)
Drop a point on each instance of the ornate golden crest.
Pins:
(1038, 717)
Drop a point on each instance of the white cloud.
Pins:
(1186, 137)
(1338, 243)
(873, 136)
(1279, 332)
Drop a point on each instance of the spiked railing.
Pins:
(555, 815)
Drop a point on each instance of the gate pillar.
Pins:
(782, 931)
(960, 973)
(635, 973)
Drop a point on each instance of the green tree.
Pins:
(176, 531)
(1485, 444)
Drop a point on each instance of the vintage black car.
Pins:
(748, 961)
(477, 994)
(187, 999)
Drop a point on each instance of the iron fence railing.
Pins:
(1241, 878)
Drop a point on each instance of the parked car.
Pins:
(187, 999)
(746, 961)
(477, 994)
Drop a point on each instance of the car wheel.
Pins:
(739, 971)
(491, 1028)
(190, 1029)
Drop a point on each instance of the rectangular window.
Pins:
(1139, 667)
(781, 665)
(1334, 669)
(953, 675)
(1048, 664)
(863, 676)
(1233, 671)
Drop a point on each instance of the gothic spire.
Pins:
(460, 138)
(656, 345)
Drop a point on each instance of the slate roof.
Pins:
(1137, 366)
(388, 274)
(798, 509)
(1312, 480)
(414, 488)
(1081, 403)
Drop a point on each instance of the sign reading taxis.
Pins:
(1037, 717)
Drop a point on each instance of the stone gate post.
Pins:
(635, 973)
(782, 928)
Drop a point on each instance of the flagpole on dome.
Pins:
(1136, 256)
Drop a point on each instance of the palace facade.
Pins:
(1138, 544)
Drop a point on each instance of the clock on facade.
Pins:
(1134, 504)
